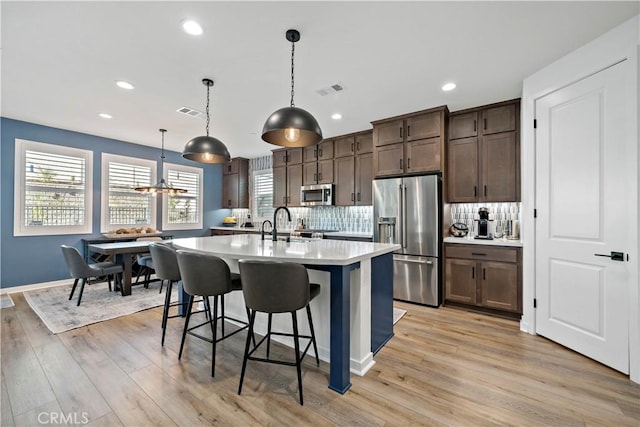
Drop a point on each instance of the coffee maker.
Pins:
(483, 225)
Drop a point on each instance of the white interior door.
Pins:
(581, 193)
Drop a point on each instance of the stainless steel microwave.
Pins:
(316, 195)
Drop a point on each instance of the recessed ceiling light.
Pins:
(124, 85)
(192, 27)
(449, 86)
(105, 115)
(336, 116)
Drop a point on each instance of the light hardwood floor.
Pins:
(442, 367)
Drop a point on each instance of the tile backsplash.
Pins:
(355, 219)
(501, 214)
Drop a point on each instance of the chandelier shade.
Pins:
(292, 126)
(206, 149)
(161, 187)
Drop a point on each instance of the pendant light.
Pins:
(206, 149)
(292, 126)
(161, 186)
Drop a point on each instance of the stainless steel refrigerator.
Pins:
(406, 211)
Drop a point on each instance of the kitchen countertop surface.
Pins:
(352, 234)
(317, 252)
(472, 241)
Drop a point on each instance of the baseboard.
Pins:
(31, 287)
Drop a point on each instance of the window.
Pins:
(263, 193)
(182, 211)
(122, 206)
(52, 190)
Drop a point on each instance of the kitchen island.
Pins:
(353, 315)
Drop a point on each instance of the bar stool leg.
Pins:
(165, 311)
(84, 281)
(269, 334)
(296, 342)
(222, 307)
(313, 335)
(214, 331)
(253, 336)
(75, 283)
(109, 281)
(252, 319)
(186, 325)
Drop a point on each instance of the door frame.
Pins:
(620, 43)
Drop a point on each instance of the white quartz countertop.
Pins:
(317, 252)
(494, 242)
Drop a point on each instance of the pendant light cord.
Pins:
(293, 47)
(207, 110)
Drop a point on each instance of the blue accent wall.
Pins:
(36, 259)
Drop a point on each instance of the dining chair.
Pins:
(80, 269)
(277, 287)
(145, 262)
(207, 276)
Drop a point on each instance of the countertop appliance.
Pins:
(316, 195)
(406, 211)
(483, 224)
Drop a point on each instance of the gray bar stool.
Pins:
(165, 264)
(79, 269)
(207, 276)
(277, 287)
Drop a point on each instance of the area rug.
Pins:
(6, 301)
(52, 305)
(397, 314)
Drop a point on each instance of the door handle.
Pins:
(358, 198)
(404, 218)
(409, 163)
(615, 256)
(416, 261)
(352, 147)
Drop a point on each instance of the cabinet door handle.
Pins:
(319, 152)
(229, 168)
(315, 176)
(352, 147)
(475, 191)
(284, 159)
(478, 254)
(409, 163)
(485, 124)
(229, 203)
(408, 131)
(473, 272)
(358, 196)
(315, 153)
(352, 197)
(284, 199)
(400, 132)
(474, 125)
(485, 191)
(484, 274)
(400, 164)
(320, 176)
(358, 146)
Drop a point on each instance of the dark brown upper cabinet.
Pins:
(286, 157)
(235, 184)
(287, 176)
(409, 144)
(483, 158)
(318, 163)
(352, 145)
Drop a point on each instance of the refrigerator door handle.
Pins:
(405, 238)
(400, 230)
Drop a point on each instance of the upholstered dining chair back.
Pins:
(204, 275)
(78, 268)
(274, 287)
(164, 261)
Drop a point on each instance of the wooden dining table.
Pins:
(122, 253)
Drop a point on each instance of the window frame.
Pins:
(165, 197)
(104, 199)
(253, 196)
(19, 190)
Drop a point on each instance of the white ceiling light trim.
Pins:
(336, 116)
(105, 116)
(192, 27)
(448, 86)
(125, 85)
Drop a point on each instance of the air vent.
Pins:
(191, 112)
(337, 87)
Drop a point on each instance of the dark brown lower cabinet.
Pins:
(483, 276)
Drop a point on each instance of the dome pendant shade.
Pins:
(291, 127)
(206, 149)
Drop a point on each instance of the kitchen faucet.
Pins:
(274, 230)
(262, 228)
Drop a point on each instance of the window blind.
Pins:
(183, 208)
(127, 206)
(263, 194)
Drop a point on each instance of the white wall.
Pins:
(619, 43)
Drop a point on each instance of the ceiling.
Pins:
(60, 61)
